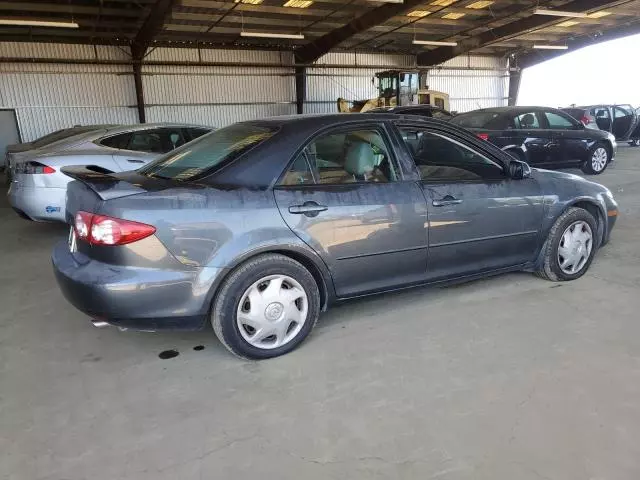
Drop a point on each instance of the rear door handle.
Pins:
(448, 200)
(134, 160)
(310, 209)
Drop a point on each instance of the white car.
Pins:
(38, 187)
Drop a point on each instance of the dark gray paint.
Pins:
(370, 237)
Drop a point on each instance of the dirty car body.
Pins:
(420, 216)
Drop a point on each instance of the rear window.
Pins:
(202, 156)
(478, 120)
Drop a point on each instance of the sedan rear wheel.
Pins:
(635, 142)
(570, 246)
(598, 160)
(266, 307)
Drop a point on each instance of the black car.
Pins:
(428, 111)
(542, 136)
(623, 121)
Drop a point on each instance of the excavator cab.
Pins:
(397, 88)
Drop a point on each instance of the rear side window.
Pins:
(488, 120)
(355, 156)
(149, 141)
(203, 156)
(117, 141)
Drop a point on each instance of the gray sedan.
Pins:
(38, 186)
(260, 226)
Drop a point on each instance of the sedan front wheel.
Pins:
(570, 246)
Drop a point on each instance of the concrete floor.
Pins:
(507, 378)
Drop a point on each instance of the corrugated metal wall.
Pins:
(471, 89)
(218, 96)
(48, 97)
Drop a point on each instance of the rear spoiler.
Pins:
(102, 181)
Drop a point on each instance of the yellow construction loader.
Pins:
(397, 88)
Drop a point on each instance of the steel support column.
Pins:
(514, 86)
(301, 89)
(137, 79)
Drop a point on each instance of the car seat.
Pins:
(360, 163)
(528, 120)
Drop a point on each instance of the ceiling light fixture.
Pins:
(435, 43)
(480, 5)
(297, 36)
(418, 13)
(250, 2)
(599, 14)
(453, 16)
(443, 3)
(298, 3)
(559, 13)
(551, 47)
(38, 23)
(568, 23)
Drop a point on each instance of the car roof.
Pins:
(329, 119)
(148, 126)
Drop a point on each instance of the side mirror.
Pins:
(519, 170)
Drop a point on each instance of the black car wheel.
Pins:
(598, 160)
(570, 246)
(266, 307)
(635, 142)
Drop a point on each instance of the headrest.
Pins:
(528, 119)
(360, 159)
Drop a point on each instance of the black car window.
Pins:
(203, 156)
(117, 141)
(149, 141)
(356, 156)
(526, 121)
(601, 112)
(171, 138)
(479, 119)
(559, 122)
(443, 159)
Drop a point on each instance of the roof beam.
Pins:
(314, 50)
(499, 34)
(151, 27)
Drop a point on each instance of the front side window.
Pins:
(558, 122)
(204, 155)
(357, 156)
(440, 158)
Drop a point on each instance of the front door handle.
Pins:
(448, 200)
(134, 160)
(310, 209)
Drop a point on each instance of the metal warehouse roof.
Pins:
(498, 27)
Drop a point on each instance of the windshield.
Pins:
(208, 152)
(476, 119)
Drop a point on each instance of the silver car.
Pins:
(38, 187)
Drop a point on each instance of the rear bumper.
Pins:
(137, 298)
(38, 203)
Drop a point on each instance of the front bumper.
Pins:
(38, 203)
(138, 298)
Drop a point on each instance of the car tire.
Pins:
(599, 158)
(563, 240)
(635, 142)
(245, 306)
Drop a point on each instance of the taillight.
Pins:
(585, 120)
(33, 168)
(103, 230)
(483, 136)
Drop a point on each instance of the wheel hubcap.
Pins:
(575, 247)
(599, 159)
(272, 312)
